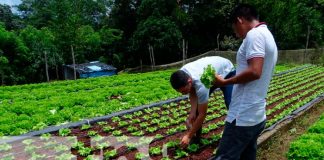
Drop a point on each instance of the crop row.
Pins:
(309, 145)
(166, 124)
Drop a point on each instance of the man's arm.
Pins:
(202, 111)
(253, 72)
(193, 102)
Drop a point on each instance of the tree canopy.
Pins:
(125, 33)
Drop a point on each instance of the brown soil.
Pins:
(276, 147)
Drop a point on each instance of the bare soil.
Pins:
(276, 147)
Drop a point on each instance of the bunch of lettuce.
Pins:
(208, 76)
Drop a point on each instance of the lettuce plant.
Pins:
(208, 76)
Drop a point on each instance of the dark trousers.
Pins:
(239, 142)
(227, 91)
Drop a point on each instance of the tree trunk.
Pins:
(46, 67)
(141, 65)
(183, 51)
(218, 42)
(307, 40)
(56, 67)
(73, 59)
(152, 56)
(2, 78)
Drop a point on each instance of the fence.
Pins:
(314, 56)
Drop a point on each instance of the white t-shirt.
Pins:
(248, 100)
(196, 68)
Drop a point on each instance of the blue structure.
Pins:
(87, 70)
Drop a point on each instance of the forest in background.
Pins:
(127, 33)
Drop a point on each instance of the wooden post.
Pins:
(73, 59)
(305, 53)
(46, 67)
(183, 51)
(152, 56)
(218, 41)
(141, 65)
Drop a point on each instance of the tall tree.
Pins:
(16, 53)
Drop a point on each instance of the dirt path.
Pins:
(276, 147)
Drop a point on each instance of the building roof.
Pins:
(92, 67)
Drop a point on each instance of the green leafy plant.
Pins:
(171, 131)
(193, 147)
(138, 113)
(102, 145)
(65, 156)
(138, 133)
(110, 154)
(136, 120)
(151, 129)
(205, 141)
(208, 76)
(85, 127)
(61, 148)
(172, 144)
(122, 138)
(28, 141)
(130, 145)
(92, 133)
(132, 128)
(117, 133)
(143, 124)
(155, 150)
(128, 116)
(77, 145)
(97, 138)
(115, 119)
(108, 128)
(64, 132)
(85, 151)
(37, 156)
(5, 147)
(102, 123)
(140, 156)
(158, 136)
(180, 153)
(45, 136)
(122, 123)
(92, 157)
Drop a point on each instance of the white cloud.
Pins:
(10, 2)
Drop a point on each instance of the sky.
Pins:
(10, 2)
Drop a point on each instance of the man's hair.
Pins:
(245, 11)
(179, 79)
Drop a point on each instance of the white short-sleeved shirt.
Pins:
(196, 68)
(249, 99)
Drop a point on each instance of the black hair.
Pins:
(179, 79)
(245, 11)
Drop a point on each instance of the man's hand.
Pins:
(185, 141)
(219, 81)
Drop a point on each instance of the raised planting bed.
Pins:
(159, 126)
(32, 107)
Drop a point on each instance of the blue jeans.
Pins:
(239, 142)
(227, 90)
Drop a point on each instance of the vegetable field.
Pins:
(310, 145)
(159, 127)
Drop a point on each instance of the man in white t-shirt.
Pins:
(256, 59)
(187, 81)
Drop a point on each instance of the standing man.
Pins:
(187, 81)
(256, 59)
